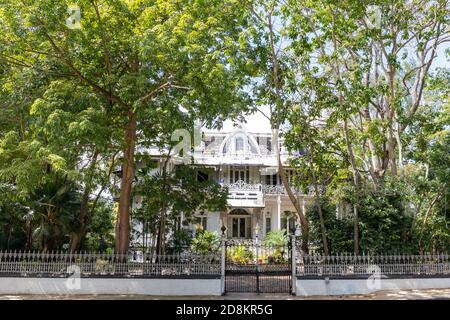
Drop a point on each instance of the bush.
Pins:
(339, 230)
(276, 241)
(180, 240)
(206, 242)
(240, 254)
(277, 238)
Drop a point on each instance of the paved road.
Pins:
(382, 295)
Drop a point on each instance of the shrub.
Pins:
(206, 242)
(240, 254)
(181, 239)
(276, 241)
(278, 238)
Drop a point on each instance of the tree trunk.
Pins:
(122, 240)
(375, 160)
(299, 212)
(400, 152)
(317, 195)
(391, 152)
(356, 185)
(160, 245)
(422, 229)
(77, 237)
(29, 236)
(323, 229)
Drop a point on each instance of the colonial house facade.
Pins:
(242, 158)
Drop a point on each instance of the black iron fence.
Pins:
(347, 265)
(59, 264)
(247, 262)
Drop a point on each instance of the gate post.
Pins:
(257, 264)
(222, 266)
(293, 265)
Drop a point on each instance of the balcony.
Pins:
(241, 194)
(281, 190)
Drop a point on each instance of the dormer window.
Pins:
(239, 144)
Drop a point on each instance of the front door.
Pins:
(240, 227)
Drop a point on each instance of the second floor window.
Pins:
(271, 180)
(237, 174)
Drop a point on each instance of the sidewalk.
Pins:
(382, 295)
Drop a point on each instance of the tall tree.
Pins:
(141, 57)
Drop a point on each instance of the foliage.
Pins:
(362, 111)
(100, 231)
(180, 240)
(240, 254)
(339, 229)
(168, 195)
(276, 238)
(206, 242)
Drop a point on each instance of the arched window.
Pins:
(239, 211)
(240, 143)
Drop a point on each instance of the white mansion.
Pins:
(243, 159)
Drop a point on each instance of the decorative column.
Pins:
(264, 227)
(278, 215)
(303, 204)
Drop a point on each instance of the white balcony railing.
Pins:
(240, 186)
(242, 194)
(243, 186)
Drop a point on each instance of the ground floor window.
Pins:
(268, 225)
(202, 222)
(287, 224)
(288, 221)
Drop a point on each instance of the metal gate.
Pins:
(254, 267)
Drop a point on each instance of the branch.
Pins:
(107, 94)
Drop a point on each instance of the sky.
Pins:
(441, 60)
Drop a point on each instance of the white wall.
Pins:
(214, 223)
(175, 287)
(319, 287)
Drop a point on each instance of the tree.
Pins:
(272, 85)
(142, 58)
(166, 195)
(370, 75)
